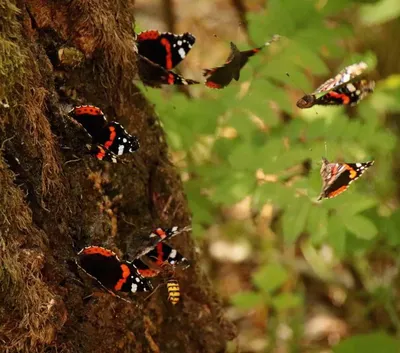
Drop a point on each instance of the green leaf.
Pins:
(295, 218)
(357, 205)
(241, 122)
(286, 301)
(201, 207)
(306, 58)
(234, 187)
(245, 157)
(390, 227)
(247, 300)
(332, 7)
(337, 235)
(361, 227)
(270, 277)
(275, 193)
(369, 343)
(317, 224)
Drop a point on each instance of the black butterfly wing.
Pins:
(155, 75)
(164, 48)
(91, 118)
(221, 76)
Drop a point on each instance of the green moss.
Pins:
(11, 58)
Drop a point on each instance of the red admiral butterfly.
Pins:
(159, 52)
(337, 177)
(156, 237)
(160, 256)
(110, 136)
(164, 259)
(154, 75)
(110, 272)
(220, 77)
(346, 88)
(102, 154)
(164, 49)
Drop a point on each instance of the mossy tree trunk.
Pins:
(55, 199)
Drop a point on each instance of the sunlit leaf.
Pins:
(247, 300)
(233, 188)
(286, 301)
(361, 227)
(381, 12)
(270, 277)
(317, 224)
(295, 218)
(337, 235)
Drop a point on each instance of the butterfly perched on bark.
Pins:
(110, 272)
(162, 261)
(115, 275)
(110, 139)
(158, 53)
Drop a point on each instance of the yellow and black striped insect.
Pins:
(174, 292)
(162, 261)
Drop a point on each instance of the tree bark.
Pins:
(56, 199)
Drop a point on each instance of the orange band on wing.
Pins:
(345, 99)
(125, 274)
(88, 109)
(113, 134)
(148, 35)
(98, 250)
(338, 191)
(149, 272)
(353, 173)
(160, 232)
(168, 59)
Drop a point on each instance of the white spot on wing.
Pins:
(134, 288)
(182, 53)
(121, 149)
(351, 87)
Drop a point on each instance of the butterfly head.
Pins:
(306, 101)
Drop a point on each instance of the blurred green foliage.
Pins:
(254, 125)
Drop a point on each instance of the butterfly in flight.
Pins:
(337, 177)
(348, 87)
(221, 76)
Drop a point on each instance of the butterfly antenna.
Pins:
(306, 94)
(294, 83)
